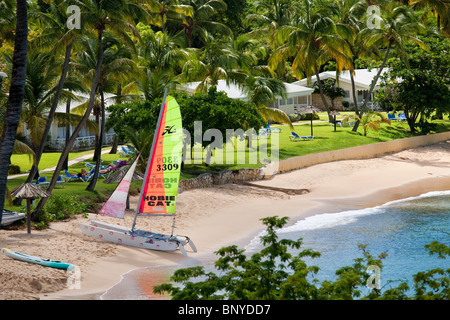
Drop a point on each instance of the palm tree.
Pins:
(398, 26)
(268, 16)
(16, 93)
(162, 10)
(200, 19)
(312, 40)
(216, 61)
(258, 81)
(161, 59)
(7, 20)
(117, 64)
(263, 89)
(118, 17)
(40, 95)
(350, 14)
(440, 8)
(372, 121)
(58, 37)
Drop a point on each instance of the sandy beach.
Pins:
(215, 217)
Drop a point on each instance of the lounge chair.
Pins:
(124, 152)
(263, 133)
(269, 129)
(338, 123)
(60, 182)
(127, 151)
(42, 182)
(91, 166)
(401, 117)
(296, 137)
(392, 117)
(346, 122)
(72, 176)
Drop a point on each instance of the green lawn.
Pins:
(325, 139)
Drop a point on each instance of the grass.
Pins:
(325, 139)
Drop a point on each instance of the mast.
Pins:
(150, 157)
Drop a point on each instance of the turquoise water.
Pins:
(399, 228)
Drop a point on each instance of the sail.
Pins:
(160, 187)
(116, 204)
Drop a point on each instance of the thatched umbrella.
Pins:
(117, 176)
(334, 114)
(30, 192)
(311, 110)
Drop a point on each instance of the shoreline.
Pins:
(231, 213)
(383, 196)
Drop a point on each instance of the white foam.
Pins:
(330, 220)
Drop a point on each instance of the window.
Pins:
(301, 100)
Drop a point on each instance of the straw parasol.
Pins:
(334, 114)
(30, 192)
(310, 109)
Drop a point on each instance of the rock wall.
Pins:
(206, 180)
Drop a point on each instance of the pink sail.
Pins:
(116, 204)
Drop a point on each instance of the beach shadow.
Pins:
(25, 236)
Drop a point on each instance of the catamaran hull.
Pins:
(10, 217)
(122, 235)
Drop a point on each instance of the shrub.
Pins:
(61, 207)
(13, 169)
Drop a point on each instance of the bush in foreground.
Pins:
(276, 274)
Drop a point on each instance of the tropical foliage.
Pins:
(280, 271)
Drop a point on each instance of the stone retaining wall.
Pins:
(206, 180)
(360, 152)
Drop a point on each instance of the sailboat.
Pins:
(159, 190)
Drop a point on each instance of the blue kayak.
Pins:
(37, 260)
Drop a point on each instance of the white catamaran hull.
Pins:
(137, 238)
(10, 216)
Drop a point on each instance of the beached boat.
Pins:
(10, 216)
(43, 262)
(159, 190)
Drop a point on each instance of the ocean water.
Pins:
(400, 229)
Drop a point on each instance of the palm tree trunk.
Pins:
(322, 95)
(80, 125)
(15, 99)
(355, 101)
(374, 81)
(66, 161)
(93, 182)
(116, 139)
(51, 113)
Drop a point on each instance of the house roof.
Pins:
(233, 91)
(363, 77)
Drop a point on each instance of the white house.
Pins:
(363, 80)
(297, 96)
(85, 137)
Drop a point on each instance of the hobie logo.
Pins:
(168, 130)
